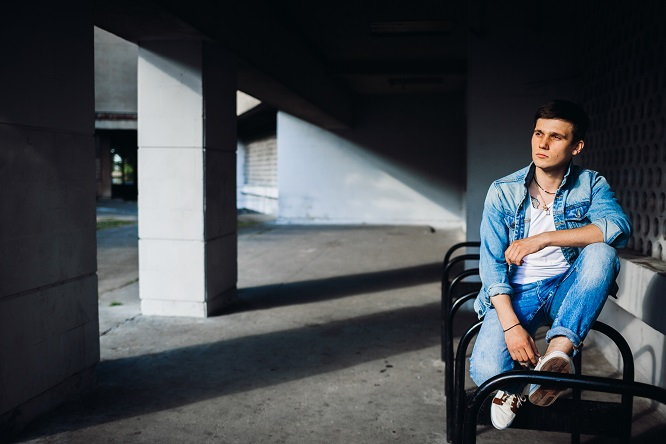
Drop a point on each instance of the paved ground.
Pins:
(334, 338)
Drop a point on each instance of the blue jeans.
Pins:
(572, 301)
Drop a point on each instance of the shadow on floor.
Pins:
(316, 290)
(154, 382)
(652, 436)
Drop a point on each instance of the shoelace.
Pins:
(517, 402)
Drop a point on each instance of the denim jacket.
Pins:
(584, 197)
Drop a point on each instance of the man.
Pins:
(548, 238)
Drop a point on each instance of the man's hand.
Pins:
(522, 247)
(521, 345)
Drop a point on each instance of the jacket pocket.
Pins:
(576, 215)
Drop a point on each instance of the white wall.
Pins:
(259, 188)
(512, 69)
(240, 173)
(115, 79)
(401, 164)
(245, 102)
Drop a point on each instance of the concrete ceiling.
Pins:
(384, 47)
(314, 59)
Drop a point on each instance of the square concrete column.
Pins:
(187, 178)
(49, 331)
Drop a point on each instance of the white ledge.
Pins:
(260, 191)
(642, 282)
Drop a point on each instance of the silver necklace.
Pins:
(546, 207)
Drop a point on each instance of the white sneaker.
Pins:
(555, 361)
(504, 408)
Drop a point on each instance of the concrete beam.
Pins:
(145, 20)
(275, 65)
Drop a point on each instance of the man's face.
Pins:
(553, 145)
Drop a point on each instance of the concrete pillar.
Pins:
(187, 178)
(103, 166)
(49, 331)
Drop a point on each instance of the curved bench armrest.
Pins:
(450, 251)
(582, 382)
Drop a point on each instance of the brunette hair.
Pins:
(568, 111)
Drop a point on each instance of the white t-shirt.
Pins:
(543, 264)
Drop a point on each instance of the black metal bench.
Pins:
(578, 382)
(573, 415)
(448, 310)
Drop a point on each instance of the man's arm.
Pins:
(520, 344)
(494, 275)
(494, 241)
(606, 213)
(574, 237)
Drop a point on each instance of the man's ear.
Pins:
(579, 147)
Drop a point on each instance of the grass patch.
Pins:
(113, 223)
(115, 304)
(247, 223)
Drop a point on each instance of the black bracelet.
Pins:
(511, 327)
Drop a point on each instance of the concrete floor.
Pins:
(334, 338)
